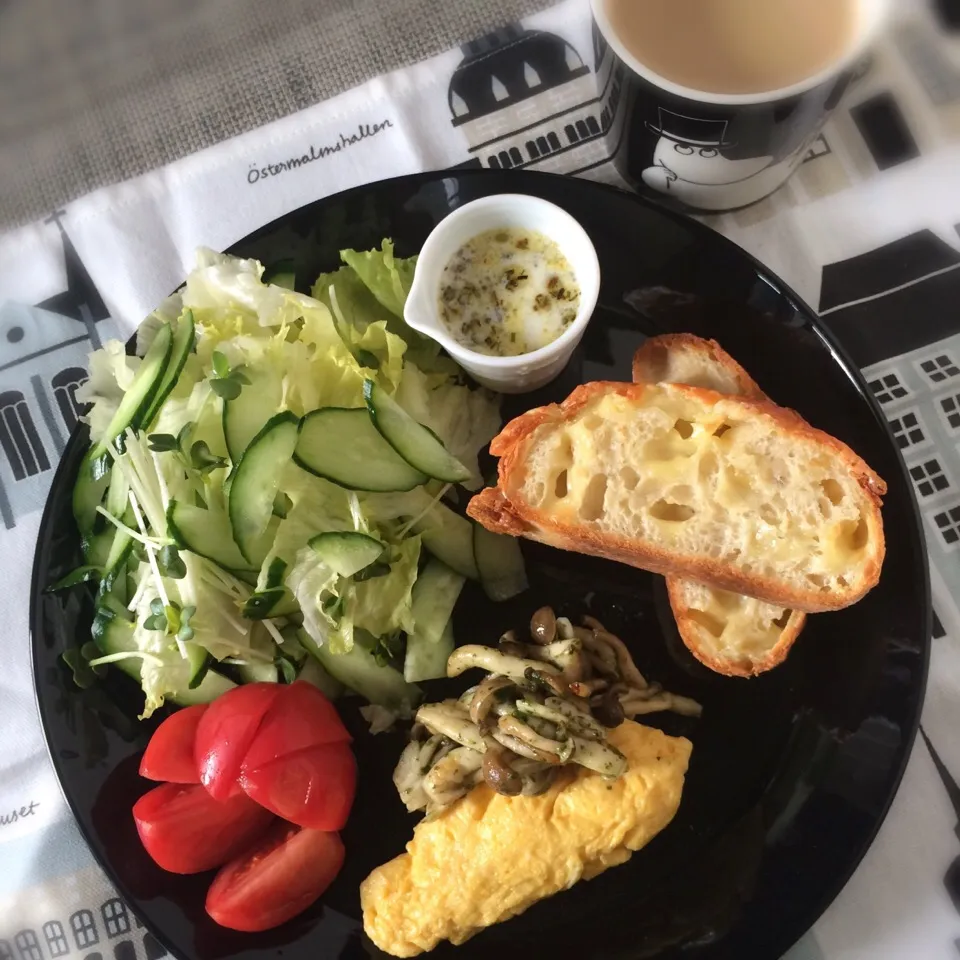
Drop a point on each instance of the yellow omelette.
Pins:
(488, 857)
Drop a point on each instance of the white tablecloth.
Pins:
(866, 232)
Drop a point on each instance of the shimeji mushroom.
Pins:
(542, 705)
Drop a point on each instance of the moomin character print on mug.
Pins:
(695, 160)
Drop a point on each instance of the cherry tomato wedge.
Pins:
(299, 718)
(186, 831)
(313, 788)
(225, 733)
(169, 754)
(280, 877)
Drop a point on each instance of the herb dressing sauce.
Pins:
(508, 292)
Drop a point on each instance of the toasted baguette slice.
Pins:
(732, 634)
(739, 494)
(685, 358)
(727, 632)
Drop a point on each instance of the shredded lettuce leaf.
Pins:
(315, 587)
(290, 352)
(164, 672)
(335, 607)
(387, 277)
(357, 306)
(168, 312)
(318, 506)
(381, 606)
(373, 287)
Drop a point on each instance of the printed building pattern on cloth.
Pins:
(110, 933)
(527, 99)
(894, 308)
(42, 363)
(919, 392)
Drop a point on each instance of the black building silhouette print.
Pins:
(527, 98)
(84, 928)
(82, 937)
(56, 939)
(28, 946)
(65, 385)
(42, 351)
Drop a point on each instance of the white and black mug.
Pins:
(714, 152)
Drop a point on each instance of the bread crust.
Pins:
(652, 356)
(744, 666)
(510, 514)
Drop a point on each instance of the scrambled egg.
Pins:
(488, 857)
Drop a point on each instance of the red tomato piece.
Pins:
(313, 787)
(169, 754)
(186, 831)
(299, 718)
(280, 877)
(225, 733)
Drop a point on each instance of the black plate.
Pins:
(792, 772)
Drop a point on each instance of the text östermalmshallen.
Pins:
(364, 130)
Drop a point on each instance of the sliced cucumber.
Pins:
(276, 573)
(200, 660)
(112, 628)
(96, 546)
(183, 340)
(342, 445)
(249, 577)
(119, 549)
(245, 416)
(117, 502)
(209, 430)
(112, 633)
(312, 672)
(433, 598)
(111, 607)
(281, 274)
(115, 564)
(500, 563)
(277, 602)
(212, 685)
(136, 401)
(85, 573)
(206, 533)
(449, 537)
(426, 659)
(93, 478)
(346, 552)
(262, 663)
(417, 445)
(117, 584)
(257, 479)
(272, 599)
(286, 606)
(360, 671)
(253, 672)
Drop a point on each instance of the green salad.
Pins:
(268, 489)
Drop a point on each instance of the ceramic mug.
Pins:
(714, 152)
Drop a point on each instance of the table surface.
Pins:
(94, 93)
